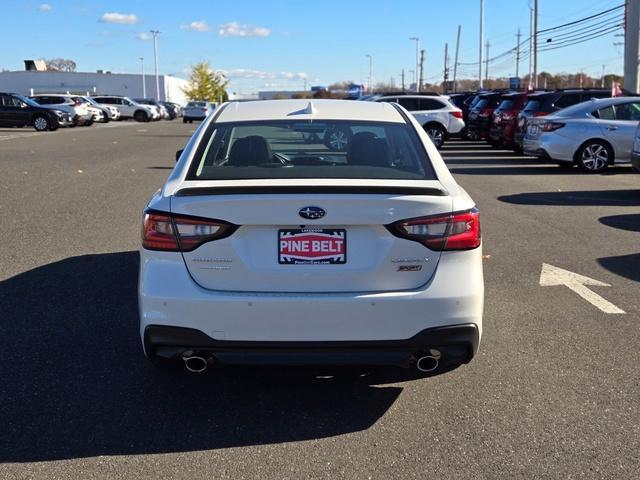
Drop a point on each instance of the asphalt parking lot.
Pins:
(552, 394)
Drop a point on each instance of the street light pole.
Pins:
(480, 44)
(144, 86)
(370, 72)
(417, 40)
(155, 34)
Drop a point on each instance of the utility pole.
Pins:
(632, 45)
(530, 87)
(535, 43)
(155, 34)
(402, 77)
(480, 44)
(446, 68)
(370, 72)
(486, 66)
(420, 78)
(417, 40)
(518, 52)
(455, 63)
(144, 85)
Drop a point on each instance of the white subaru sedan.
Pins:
(263, 248)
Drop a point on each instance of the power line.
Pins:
(580, 20)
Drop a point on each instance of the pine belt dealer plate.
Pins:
(312, 246)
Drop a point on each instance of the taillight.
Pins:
(458, 231)
(551, 126)
(540, 114)
(456, 114)
(485, 112)
(509, 114)
(164, 231)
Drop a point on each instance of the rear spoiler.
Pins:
(298, 189)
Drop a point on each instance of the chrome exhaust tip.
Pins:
(195, 364)
(429, 363)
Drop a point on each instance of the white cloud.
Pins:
(124, 18)
(200, 26)
(234, 29)
(44, 7)
(248, 73)
(145, 37)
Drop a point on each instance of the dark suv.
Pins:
(19, 111)
(481, 113)
(544, 103)
(505, 118)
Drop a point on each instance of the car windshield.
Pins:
(310, 149)
(506, 104)
(196, 104)
(28, 101)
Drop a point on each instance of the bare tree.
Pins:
(61, 65)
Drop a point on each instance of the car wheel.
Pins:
(436, 134)
(140, 116)
(594, 156)
(338, 139)
(88, 123)
(184, 120)
(41, 123)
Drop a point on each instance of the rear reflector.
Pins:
(164, 231)
(458, 231)
(456, 114)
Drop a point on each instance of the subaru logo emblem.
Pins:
(312, 213)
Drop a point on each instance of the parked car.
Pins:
(437, 115)
(481, 114)
(79, 112)
(635, 151)
(541, 104)
(109, 112)
(309, 255)
(19, 111)
(593, 135)
(505, 118)
(197, 110)
(162, 110)
(173, 109)
(128, 108)
(463, 101)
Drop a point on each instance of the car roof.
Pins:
(305, 109)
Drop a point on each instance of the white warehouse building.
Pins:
(29, 82)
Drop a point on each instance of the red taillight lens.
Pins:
(551, 126)
(163, 231)
(458, 231)
(540, 114)
(485, 112)
(456, 114)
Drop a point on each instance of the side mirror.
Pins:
(178, 153)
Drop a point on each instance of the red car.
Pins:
(505, 119)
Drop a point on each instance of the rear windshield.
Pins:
(196, 104)
(310, 149)
(506, 105)
(480, 104)
(532, 106)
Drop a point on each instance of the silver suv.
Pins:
(129, 108)
(78, 111)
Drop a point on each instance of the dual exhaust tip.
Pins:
(424, 363)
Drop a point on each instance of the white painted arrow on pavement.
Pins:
(551, 276)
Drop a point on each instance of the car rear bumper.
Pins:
(169, 297)
(457, 344)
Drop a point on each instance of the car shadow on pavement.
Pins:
(628, 198)
(627, 266)
(630, 222)
(75, 382)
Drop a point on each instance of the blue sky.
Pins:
(269, 45)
